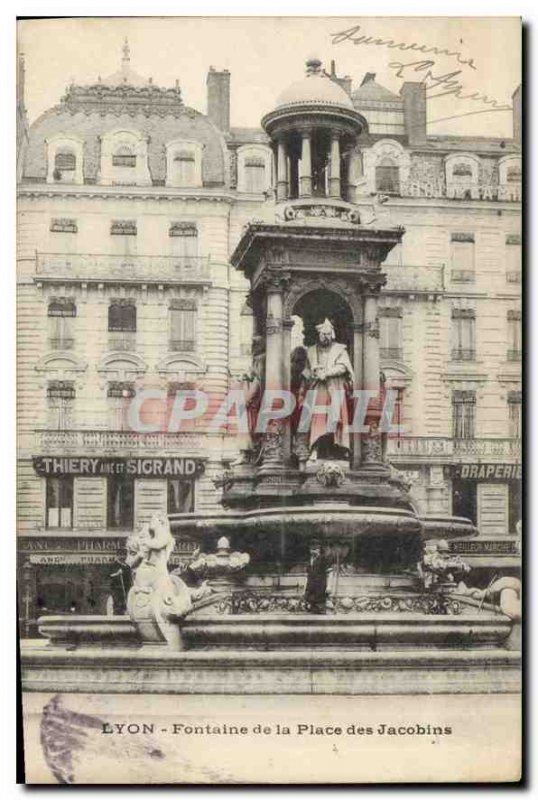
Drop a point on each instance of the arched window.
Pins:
(124, 157)
(462, 171)
(387, 176)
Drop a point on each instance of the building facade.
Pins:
(129, 206)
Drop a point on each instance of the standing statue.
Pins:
(249, 443)
(328, 370)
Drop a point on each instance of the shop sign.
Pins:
(488, 472)
(137, 467)
(477, 547)
(45, 550)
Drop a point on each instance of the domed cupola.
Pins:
(315, 129)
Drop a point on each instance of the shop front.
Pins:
(74, 562)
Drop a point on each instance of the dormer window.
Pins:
(254, 169)
(123, 157)
(387, 177)
(462, 176)
(183, 164)
(513, 175)
(64, 159)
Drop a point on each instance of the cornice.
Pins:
(35, 191)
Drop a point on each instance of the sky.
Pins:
(266, 54)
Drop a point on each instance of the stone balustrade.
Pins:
(101, 441)
(108, 267)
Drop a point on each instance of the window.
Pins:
(180, 496)
(513, 175)
(387, 177)
(390, 332)
(63, 226)
(514, 336)
(183, 325)
(61, 313)
(184, 242)
(462, 257)
(463, 414)
(255, 181)
(463, 335)
(59, 503)
(124, 157)
(61, 390)
(122, 316)
(514, 414)
(119, 395)
(184, 168)
(65, 161)
(513, 259)
(123, 227)
(60, 397)
(120, 502)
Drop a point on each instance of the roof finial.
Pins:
(126, 53)
(313, 66)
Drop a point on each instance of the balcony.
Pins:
(463, 354)
(414, 279)
(462, 276)
(393, 353)
(101, 268)
(448, 450)
(182, 345)
(107, 442)
(62, 343)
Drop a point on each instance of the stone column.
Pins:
(305, 165)
(282, 171)
(371, 443)
(334, 174)
(358, 337)
(27, 612)
(274, 438)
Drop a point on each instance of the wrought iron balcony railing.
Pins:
(61, 343)
(114, 268)
(183, 345)
(462, 276)
(448, 449)
(463, 354)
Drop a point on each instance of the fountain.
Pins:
(318, 574)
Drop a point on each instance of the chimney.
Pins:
(516, 114)
(413, 95)
(368, 78)
(344, 83)
(218, 98)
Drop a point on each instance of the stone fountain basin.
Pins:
(324, 520)
(368, 631)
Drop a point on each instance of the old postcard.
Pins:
(269, 399)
